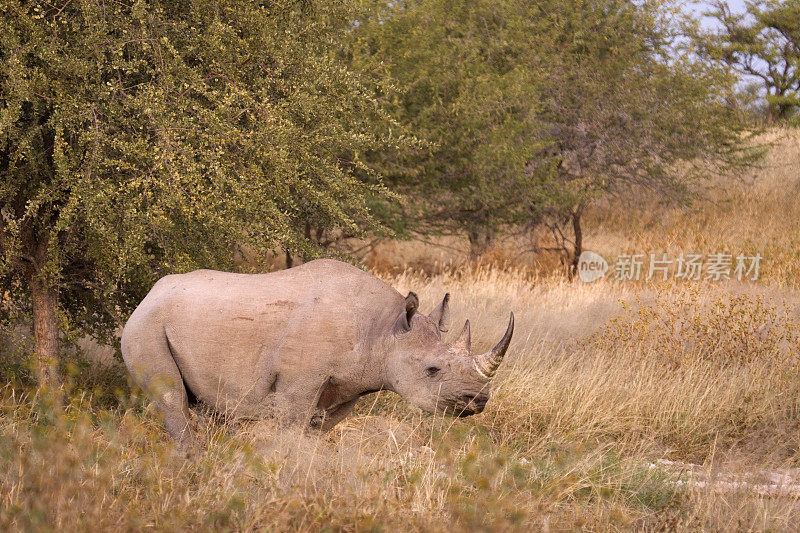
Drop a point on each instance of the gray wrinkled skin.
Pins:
(301, 344)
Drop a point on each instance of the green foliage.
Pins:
(156, 137)
(762, 45)
(626, 110)
(534, 110)
(461, 84)
(162, 136)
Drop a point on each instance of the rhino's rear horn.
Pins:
(463, 342)
(486, 364)
(403, 323)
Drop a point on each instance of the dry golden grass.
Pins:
(652, 406)
(754, 212)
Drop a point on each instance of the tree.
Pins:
(762, 44)
(537, 109)
(456, 82)
(155, 137)
(625, 111)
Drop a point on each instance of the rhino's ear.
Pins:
(441, 315)
(403, 323)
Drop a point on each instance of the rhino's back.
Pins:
(327, 286)
(229, 332)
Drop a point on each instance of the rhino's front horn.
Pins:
(486, 363)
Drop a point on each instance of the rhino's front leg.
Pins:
(318, 404)
(325, 419)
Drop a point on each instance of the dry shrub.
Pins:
(690, 370)
(689, 325)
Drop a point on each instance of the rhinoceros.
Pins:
(302, 344)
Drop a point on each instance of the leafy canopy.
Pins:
(762, 44)
(463, 86)
(536, 109)
(155, 137)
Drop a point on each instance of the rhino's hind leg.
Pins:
(149, 358)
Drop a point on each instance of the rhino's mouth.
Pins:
(466, 405)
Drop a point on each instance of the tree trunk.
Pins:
(479, 243)
(289, 260)
(578, 232)
(44, 300)
(45, 330)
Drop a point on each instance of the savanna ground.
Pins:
(622, 405)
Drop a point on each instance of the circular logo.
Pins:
(591, 266)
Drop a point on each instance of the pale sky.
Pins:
(737, 6)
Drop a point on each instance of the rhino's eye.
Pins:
(432, 371)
